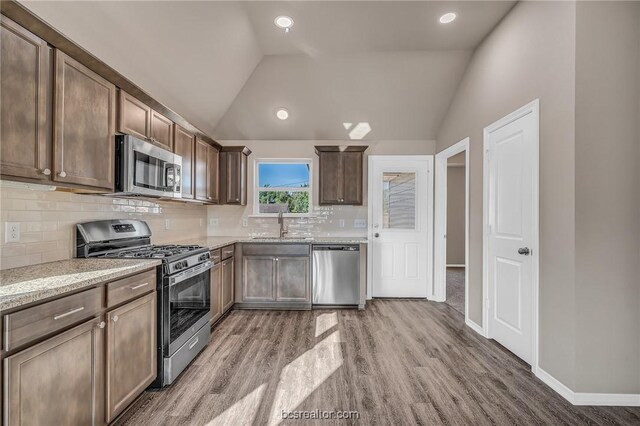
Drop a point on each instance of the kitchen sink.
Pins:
(283, 238)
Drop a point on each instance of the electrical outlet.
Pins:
(360, 223)
(167, 224)
(213, 221)
(245, 222)
(12, 232)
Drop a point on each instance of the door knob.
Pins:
(524, 250)
(376, 235)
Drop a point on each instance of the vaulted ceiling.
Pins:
(227, 68)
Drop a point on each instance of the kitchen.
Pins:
(278, 262)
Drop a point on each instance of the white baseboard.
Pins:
(583, 398)
(475, 327)
(455, 265)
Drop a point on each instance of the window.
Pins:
(282, 186)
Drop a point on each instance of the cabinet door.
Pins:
(227, 284)
(161, 131)
(232, 179)
(292, 279)
(352, 178)
(134, 117)
(330, 178)
(25, 86)
(84, 126)
(59, 381)
(213, 157)
(131, 352)
(258, 278)
(216, 292)
(183, 143)
(201, 174)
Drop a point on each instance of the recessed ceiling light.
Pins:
(282, 113)
(284, 22)
(447, 18)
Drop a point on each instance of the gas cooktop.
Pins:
(157, 251)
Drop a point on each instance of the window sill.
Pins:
(285, 215)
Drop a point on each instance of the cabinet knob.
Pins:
(46, 172)
(62, 174)
(102, 324)
(115, 318)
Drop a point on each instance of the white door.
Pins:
(511, 194)
(400, 215)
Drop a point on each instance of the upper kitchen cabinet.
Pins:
(25, 103)
(138, 119)
(341, 175)
(233, 175)
(206, 172)
(84, 126)
(184, 146)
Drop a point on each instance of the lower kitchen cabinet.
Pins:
(216, 293)
(222, 281)
(59, 381)
(131, 352)
(227, 283)
(274, 275)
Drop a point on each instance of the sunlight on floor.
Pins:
(302, 376)
(326, 322)
(242, 412)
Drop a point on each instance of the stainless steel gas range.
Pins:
(184, 299)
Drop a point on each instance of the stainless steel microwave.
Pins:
(146, 170)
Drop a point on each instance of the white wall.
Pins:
(326, 219)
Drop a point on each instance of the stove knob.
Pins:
(178, 266)
(203, 257)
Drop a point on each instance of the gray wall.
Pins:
(455, 214)
(531, 54)
(607, 197)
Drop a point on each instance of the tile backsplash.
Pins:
(47, 219)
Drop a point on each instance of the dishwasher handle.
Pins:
(335, 248)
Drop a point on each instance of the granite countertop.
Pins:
(28, 284)
(217, 242)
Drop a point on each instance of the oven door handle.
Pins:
(196, 270)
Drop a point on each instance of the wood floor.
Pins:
(398, 362)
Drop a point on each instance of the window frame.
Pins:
(257, 188)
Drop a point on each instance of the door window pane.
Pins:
(399, 200)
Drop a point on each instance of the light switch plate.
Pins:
(12, 232)
(213, 221)
(167, 224)
(360, 223)
(245, 222)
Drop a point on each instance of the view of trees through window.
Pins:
(283, 187)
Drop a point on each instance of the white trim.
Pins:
(455, 265)
(583, 398)
(429, 208)
(256, 188)
(439, 292)
(475, 327)
(531, 108)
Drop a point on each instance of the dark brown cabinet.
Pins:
(59, 381)
(222, 281)
(258, 278)
(206, 172)
(25, 103)
(341, 175)
(137, 119)
(216, 293)
(131, 352)
(184, 146)
(84, 126)
(292, 279)
(233, 175)
(227, 283)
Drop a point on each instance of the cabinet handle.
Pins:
(138, 286)
(71, 312)
(46, 172)
(102, 324)
(115, 318)
(192, 344)
(62, 174)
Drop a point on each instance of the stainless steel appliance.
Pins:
(145, 169)
(184, 299)
(336, 274)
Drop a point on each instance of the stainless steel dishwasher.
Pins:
(336, 274)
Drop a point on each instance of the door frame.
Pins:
(428, 212)
(439, 293)
(531, 108)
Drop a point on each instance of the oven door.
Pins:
(148, 170)
(187, 305)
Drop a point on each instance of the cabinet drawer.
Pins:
(216, 256)
(32, 323)
(131, 287)
(228, 251)
(275, 249)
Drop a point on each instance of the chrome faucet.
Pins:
(283, 230)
